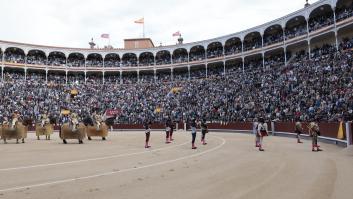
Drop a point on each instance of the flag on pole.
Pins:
(176, 34)
(140, 21)
(105, 36)
(340, 134)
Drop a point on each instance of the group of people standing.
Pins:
(260, 129)
(169, 129)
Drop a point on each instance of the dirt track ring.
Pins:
(228, 164)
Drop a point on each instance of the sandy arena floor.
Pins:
(228, 167)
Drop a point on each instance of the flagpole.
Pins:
(143, 30)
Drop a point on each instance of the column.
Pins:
(284, 46)
(85, 74)
(121, 77)
(46, 76)
(242, 54)
(308, 36)
(103, 77)
(2, 66)
(206, 70)
(25, 73)
(171, 74)
(334, 18)
(285, 56)
(25, 67)
(309, 48)
(138, 76)
(224, 68)
(66, 77)
(262, 49)
(2, 73)
(189, 71)
(155, 75)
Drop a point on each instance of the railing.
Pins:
(250, 52)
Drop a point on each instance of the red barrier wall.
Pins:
(247, 126)
(327, 129)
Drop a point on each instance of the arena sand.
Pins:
(228, 167)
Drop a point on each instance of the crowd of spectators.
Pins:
(234, 49)
(344, 13)
(213, 53)
(94, 63)
(321, 21)
(252, 44)
(319, 87)
(180, 58)
(197, 56)
(273, 38)
(296, 31)
(56, 61)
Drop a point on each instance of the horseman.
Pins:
(5, 121)
(44, 119)
(15, 118)
(98, 119)
(74, 121)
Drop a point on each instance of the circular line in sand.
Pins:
(116, 172)
(90, 159)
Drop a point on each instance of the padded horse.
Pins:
(46, 130)
(18, 133)
(92, 129)
(67, 132)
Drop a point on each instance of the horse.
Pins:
(67, 132)
(19, 132)
(93, 130)
(46, 130)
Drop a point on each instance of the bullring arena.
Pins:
(228, 167)
(275, 103)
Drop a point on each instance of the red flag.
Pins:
(112, 112)
(106, 36)
(176, 34)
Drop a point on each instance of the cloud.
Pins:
(73, 23)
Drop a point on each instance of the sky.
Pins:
(72, 23)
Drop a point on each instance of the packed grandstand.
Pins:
(295, 67)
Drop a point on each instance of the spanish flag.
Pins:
(340, 134)
(140, 21)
